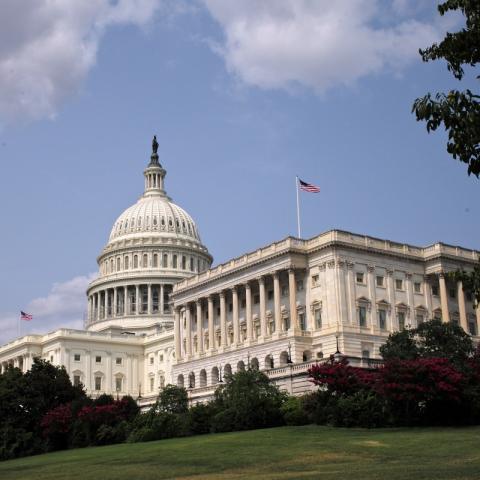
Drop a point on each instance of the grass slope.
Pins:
(309, 452)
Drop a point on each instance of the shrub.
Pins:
(293, 411)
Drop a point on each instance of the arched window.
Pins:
(118, 264)
(155, 221)
(135, 261)
(174, 265)
(111, 265)
(184, 262)
(145, 260)
(214, 376)
(126, 263)
(180, 381)
(203, 378)
(155, 260)
(163, 221)
(191, 264)
(165, 260)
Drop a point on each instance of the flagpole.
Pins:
(298, 209)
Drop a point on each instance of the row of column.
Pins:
(198, 305)
(128, 300)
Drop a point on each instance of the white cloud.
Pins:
(47, 47)
(64, 306)
(319, 43)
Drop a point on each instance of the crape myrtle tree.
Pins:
(458, 111)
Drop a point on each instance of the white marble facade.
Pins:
(158, 314)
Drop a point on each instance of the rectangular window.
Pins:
(118, 384)
(256, 299)
(118, 361)
(300, 286)
(98, 383)
(417, 287)
(76, 380)
(398, 284)
(315, 280)
(243, 303)
(151, 360)
(419, 319)
(218, 310)
(161, 358)
(270, 294)
(435, 290)
(318, 318)
(366, 353)
(380, 281)
(382, 319)
(468, 296)
(360, 277)
(76, 357)
(401, 320)
(284, 290)
(362, 316)
(230, 307)
(152, 383)
(98, 359)
(452, 293)
(301, 320)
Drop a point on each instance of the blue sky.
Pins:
(242, 96)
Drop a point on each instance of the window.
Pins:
(243, 304)
(398, 284)
(301, 321)
(451, 293)
(468, 296)
(380, 281)
(145, 260)
(360, 276)
(118, 384)
(417, 287)
(161, 358)
(284, 290)
(155, 260)
(151, 360)
(270, 294)
(419, 318)
(174, 261)
(218, 310)
(165, 261)
(191, 264)
(435, 290)
(135, 261)
(184, 262)
(315, 280)
(118, 264)
(118, 361)
(299, 285)
(152, 383)
(76, 380)
(318, 318)
(401, 320)
(98, 383)
(256, 299)
(362, 316)
(98, 359)
(51, 358)
(230, 307)
(126, 263)
(366, 353)
(382, 319)
(76, 357)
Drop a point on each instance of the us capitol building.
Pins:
(158, 313)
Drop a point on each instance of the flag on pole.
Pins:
(25, 316)
(308, 187)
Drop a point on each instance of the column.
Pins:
(149, 299)
(125, 301)
(223, 319)
(352, 307)
(88, 371)
(105, 303)
(137, 299)
(178, 338)
(115, 300)
(461, 306)
(372, 291)
(235, 319)
(478, 317)
(427, 292)
(263, 310)
(248, 311)
(108, 379)
(342, 306)
(391, 299)
(444, 298)
(276, 302)
(211, 332)
(292, 292)
(410, 301)
(188, 331)
(161, 299)
(129, 375)
(199, 326)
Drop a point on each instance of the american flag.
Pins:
(308, 187)
(25, 316)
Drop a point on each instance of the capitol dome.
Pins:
(152, 245)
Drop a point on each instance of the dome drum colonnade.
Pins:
(152, 245)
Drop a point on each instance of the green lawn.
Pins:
(281, 453)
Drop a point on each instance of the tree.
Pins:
(248, 400)
(172, 399)
(470, 281)
(432, 339)
(458, 111)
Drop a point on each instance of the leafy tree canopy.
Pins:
(458, 111)
(172, 399)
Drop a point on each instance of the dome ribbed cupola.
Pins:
(152, 245)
